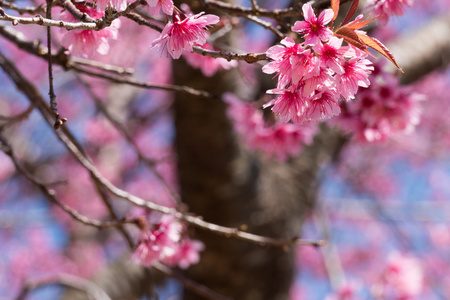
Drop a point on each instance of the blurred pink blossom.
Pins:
(384, 9)
(208, 65)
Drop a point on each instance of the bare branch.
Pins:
(72, 281)
(50, 194)
(247, 57)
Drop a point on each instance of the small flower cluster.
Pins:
(86, 42)
(384, 9)
(278, 141)
(314, 75)
(383, 109)
(184, 32)
(164, 243)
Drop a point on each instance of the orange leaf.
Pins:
(350, 37)
(335, 8)
(351, 11)
(357, 24)
(379, 47)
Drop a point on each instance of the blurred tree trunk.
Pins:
(226, 185)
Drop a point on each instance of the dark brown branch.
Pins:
(247, 57)
(75, 12)
(133, 82)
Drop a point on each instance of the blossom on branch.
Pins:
(87, 42)
(185, 32)
(313, 28)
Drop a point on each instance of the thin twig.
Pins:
(151, 164)
(75, 12)
(51, 92)
(50, 194)
(97, 24)
(72, 281)
(22, 10)
(17, 118)
(133, 82)
(190, 284)
(67, 62)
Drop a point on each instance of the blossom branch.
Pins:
(247, 57)
(75, 12)
(68, 140)
(71, 281)
(98, 24)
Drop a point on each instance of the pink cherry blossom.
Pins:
(187, 253)
(313, 27)
(403, 276)
(282, 60)
(290, 105)
(184, 32)
(381, 110)
(356, 73)
(323, 106)
(158, 243)
(387, 8)
(157, 5)
(330, 54)
(86, 42)
(278, 141)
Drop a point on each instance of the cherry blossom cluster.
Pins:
(381, 110)
(87, 42)
(278, 141)
(384, 9)
(314, 75)
(185, 31)
(164, 242)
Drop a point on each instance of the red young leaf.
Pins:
(351, 11)
(335, 8)
(357, 24)
(379, 47)
(351, 37)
